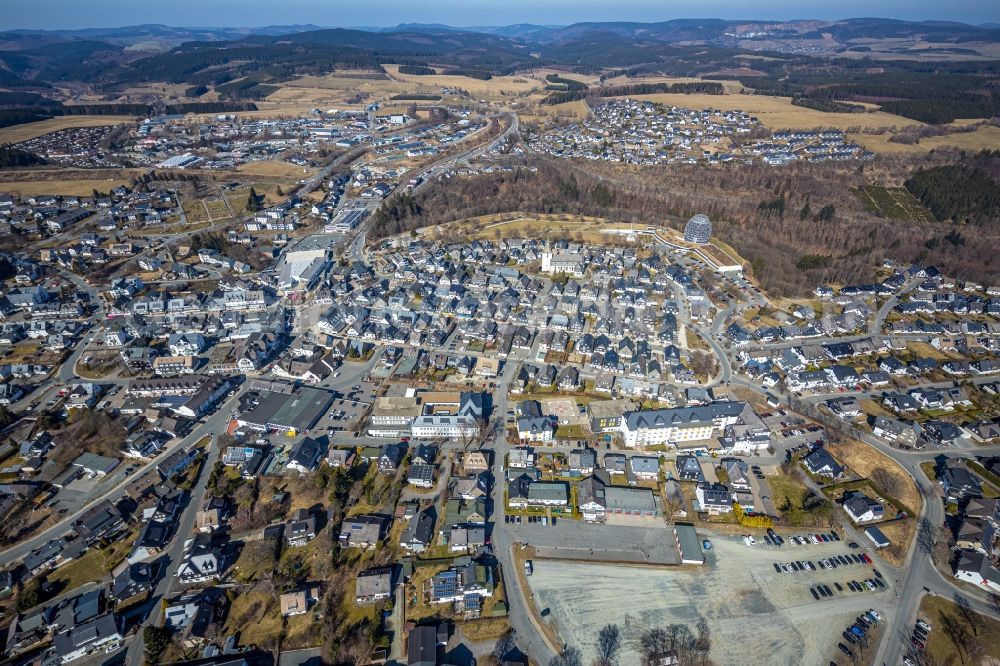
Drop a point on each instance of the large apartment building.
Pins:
(653, 427)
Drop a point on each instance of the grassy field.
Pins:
(981, 138)
(955, 632)
(255, 614)
(862, 459)
(25, 131)
(93, 565)
(787, 495)
(79, 188)
(337, 83)
(336, 89)
(568, 112)
(496, 86)
(486, 629)
(927, 350)
(729, 86)
(534, 226)
(195, 211)
(217, 209)
(238, 198)
(894, 203)
(779, 112)
(275, 169)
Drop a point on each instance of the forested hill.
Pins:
(965, 192)
(249, 67)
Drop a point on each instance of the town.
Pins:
(496, 403)
(452, 347)
(643, 132)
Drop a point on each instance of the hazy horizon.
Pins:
(67, 15)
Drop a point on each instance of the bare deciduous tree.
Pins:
(609, 644)
(570, 657)
(886, 481)
(504, 644)
(956, 630)
(926, 536)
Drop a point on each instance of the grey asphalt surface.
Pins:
(171, 559)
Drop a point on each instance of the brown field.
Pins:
(333, 90)
(167, 89)
(517, 85)
(779, 112)
(79, 188)
(265, 110)
(729, 86)
(275, 169)
(862, 459)
(982, 634)
(887, 49)
(531, 226)
(25, 131)
(981, 138)
(568, 112)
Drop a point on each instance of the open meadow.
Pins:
(778, 113)
(26, 131)
(496, 87)
(275, 169)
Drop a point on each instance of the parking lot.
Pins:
(791, 431)
(737, 592)
(344, 414)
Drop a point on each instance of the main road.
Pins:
(216, 423)
(171, 560)
(530, 639)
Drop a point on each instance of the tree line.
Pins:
(416, 70)
(959, 192)
(21, 115)
(674, 644)
(689, 88)
(569, 84)
(12, 158)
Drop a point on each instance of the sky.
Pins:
(63, 14)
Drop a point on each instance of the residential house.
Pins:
(959, 483)
(419, 531)
(863, 509)
(305, 456)
(373, 585)
(298, 602)
(821, 463)
(201, 562)
(714, 498)
(364, 531)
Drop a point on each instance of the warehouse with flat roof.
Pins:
(688, 545)
(277, 406)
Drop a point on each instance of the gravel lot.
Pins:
(756, 616)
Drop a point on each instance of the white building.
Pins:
(678, 424)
